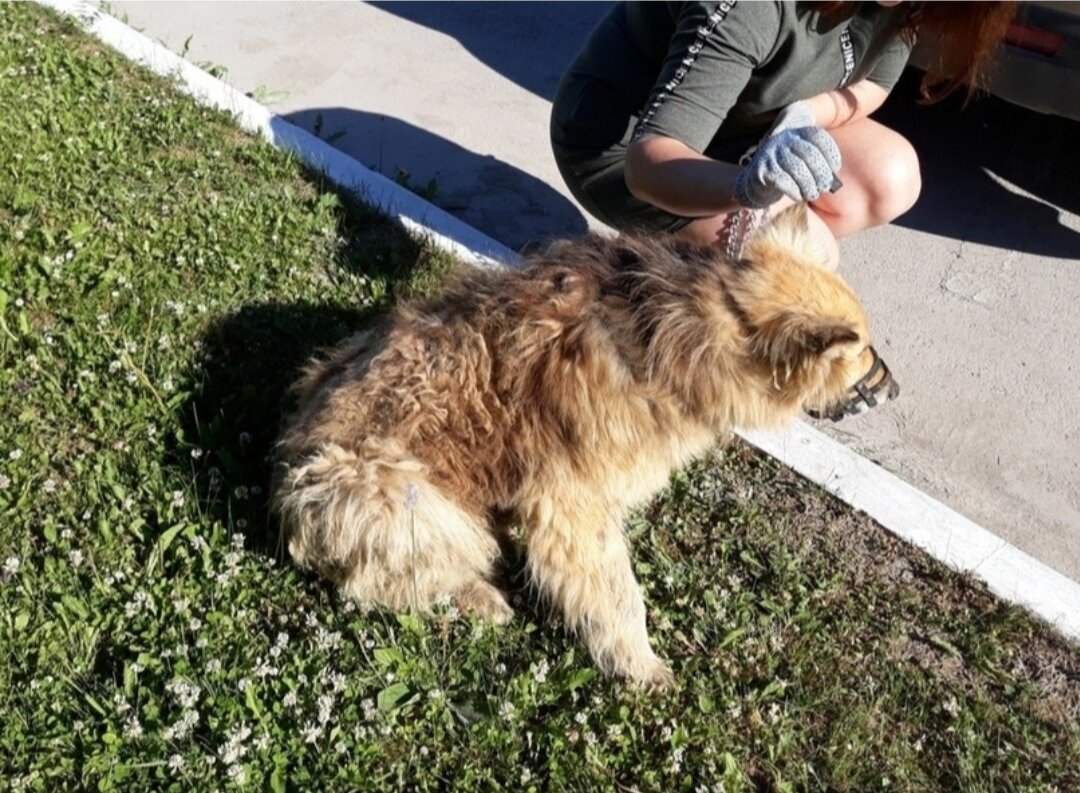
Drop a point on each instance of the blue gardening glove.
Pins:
(796, 159)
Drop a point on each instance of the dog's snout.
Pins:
(894, 390)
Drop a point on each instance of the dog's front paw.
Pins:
(485, 601)
(658, 679)
(648, 673)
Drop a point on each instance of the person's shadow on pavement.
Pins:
(993, 173)
(530, 44)
(485, 192)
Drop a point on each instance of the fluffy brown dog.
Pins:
(566, 391)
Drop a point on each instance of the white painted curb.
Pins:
(417, 215)
(916, 517)
(902, 509)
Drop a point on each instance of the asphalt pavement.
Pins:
(972, 294)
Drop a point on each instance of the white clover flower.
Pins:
(180, 730)
(196, 453)
(5, 481)
(11, 566)
(289, 700)
(311, 733)
(340, 747)
(132, 728)
(15, 454)
(325, 705)
(580, 717)
(180, 605)
(178, 498)
(194, 624)
(327, 640)
(186, 694)
(122, 705)
(337, 682)
(526, 775)
(49, 485)
(176, 762)
(213, 666)
(66, 534)
(540, 671)
(137, 603)
(237, 774)
(75, 556)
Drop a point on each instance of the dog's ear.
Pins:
(793, 341)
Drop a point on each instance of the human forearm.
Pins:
(836, 108)
(669, 174)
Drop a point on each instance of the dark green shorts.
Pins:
(590, 134)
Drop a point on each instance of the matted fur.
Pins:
(567, 391)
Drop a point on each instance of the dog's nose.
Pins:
(894, 390)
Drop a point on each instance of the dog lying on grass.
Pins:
(566, 391)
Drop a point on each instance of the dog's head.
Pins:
(808, 333)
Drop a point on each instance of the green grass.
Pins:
(161, 277)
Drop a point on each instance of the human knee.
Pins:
(896, 185)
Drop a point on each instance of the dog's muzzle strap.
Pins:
(868, 389)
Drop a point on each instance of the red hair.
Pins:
(965, 35)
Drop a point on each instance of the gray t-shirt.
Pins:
(709, 73)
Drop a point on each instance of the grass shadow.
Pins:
(251, 356)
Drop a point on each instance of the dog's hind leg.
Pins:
(370, 520)
(579, 557)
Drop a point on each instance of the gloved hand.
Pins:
(796, 159)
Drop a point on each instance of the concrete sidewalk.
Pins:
(971, 294)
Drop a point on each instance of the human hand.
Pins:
(796, 159)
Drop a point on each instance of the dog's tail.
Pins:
(370, 520)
